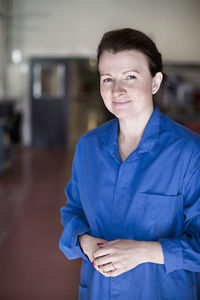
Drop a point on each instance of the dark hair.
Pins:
(130, 39)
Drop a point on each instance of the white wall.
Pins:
(3, 49)
(2, 60)
(74, 27)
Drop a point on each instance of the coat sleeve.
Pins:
(183, 252)
(73, 217)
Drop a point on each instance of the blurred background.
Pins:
(49, 96)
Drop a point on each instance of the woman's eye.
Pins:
(131, 77)
(107, 79)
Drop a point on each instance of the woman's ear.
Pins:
(156, 82)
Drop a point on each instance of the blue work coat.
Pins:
(154, 195)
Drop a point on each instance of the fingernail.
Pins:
(93, 263)
(98, 266)
(100, 244)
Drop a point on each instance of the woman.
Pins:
(133, 210)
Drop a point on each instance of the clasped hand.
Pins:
(116, 257)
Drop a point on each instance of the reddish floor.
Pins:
(31, 264)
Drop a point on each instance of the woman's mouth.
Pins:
(121, 103)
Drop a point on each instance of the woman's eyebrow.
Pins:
(105, 74)
(130, 71)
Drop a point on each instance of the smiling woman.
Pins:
(133, 202)
(126, 83)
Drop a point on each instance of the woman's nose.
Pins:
(118, 88)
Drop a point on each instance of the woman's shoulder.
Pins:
(178, 131)
(183, 141)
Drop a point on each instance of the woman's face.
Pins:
(126, 84)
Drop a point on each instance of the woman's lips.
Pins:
(118, 103)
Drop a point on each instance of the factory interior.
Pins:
(49, 97)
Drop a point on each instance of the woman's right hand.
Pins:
(88, 244)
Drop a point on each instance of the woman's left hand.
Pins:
(121, 255)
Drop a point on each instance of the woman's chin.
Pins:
(121, 114)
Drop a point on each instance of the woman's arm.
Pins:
(183, 252)
(73, 217)
(75, 224)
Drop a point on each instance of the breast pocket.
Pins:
(159, 216)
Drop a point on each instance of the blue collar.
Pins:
(148, 142)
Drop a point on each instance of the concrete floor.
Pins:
(32, 266)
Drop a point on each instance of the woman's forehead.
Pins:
(122, 61)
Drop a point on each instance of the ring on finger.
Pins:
(113, 266)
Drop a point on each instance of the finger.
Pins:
(101, 252)
(108, 267)
(113, 273)
(102, 260)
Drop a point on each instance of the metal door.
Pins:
(49, 102)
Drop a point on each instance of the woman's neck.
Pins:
(134, 127)
(130, 133)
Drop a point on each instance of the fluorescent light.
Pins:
(16, 56)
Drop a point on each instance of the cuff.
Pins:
(173, 256)
(70, 245)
